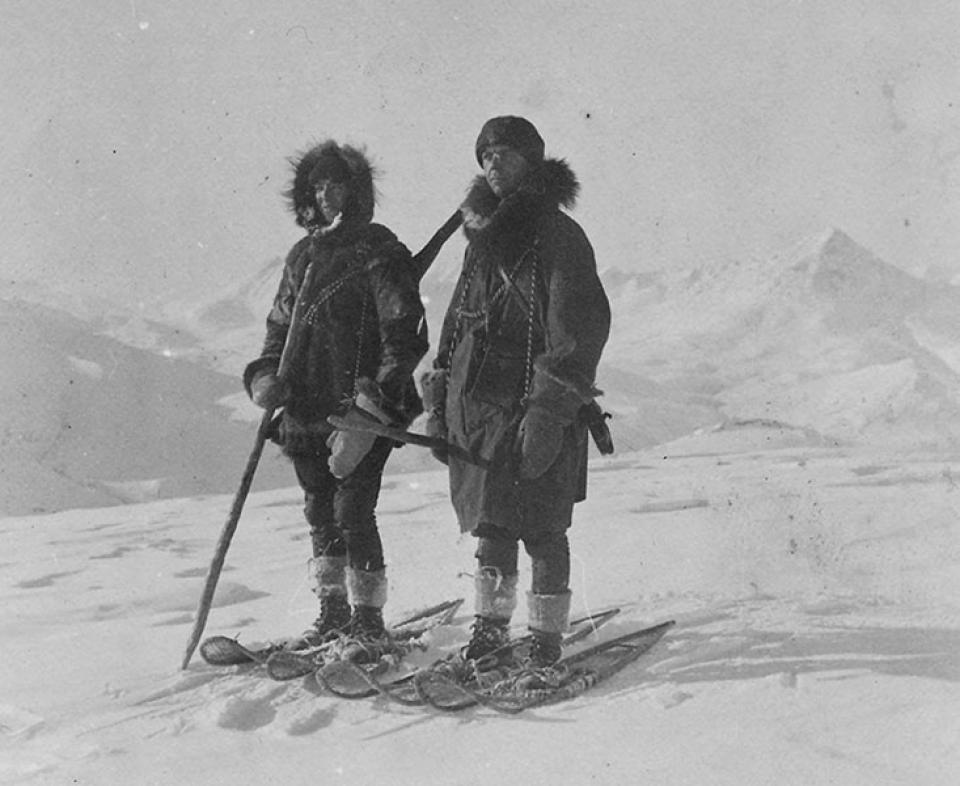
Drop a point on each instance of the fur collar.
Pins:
(547, 188)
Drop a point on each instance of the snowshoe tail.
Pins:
(419, 622)
(224, 651)
(583, 626)
(352, 681)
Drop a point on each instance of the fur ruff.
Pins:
(547, 188)
(362, 196)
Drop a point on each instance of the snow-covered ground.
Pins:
(815, 590)
(785, 488)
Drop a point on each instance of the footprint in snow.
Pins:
(194, 573)
(118, 552)
(310, 720)
(105, 525)
(670, 697)
(248, 709)
(17, 722)
(179, 619)
(180, 684)
(44, 581)
(243, 714)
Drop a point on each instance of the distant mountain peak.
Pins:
(837, 238)
(830, 241)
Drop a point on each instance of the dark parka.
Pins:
(363, 326)
(527, 322)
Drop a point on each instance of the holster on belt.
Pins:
(596, 420)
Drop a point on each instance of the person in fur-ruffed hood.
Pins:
(348, 322)
(513, 380)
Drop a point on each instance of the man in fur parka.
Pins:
(515, 368)
(353, 352)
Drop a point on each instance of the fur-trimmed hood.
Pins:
(362, 192)
(547, 188)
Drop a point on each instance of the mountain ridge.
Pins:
(824, 340)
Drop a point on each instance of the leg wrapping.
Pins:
(495, 594)
(328, 575)
(367, 587)
(548, 613)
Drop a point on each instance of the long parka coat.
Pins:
(527, 323)
(363, 325)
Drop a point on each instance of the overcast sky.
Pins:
(143, 150)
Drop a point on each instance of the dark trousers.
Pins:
(341, 512)
(549, 553)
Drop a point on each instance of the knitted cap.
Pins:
(517, 133)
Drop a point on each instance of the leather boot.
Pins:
(328, 575)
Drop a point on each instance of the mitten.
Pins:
(268, 392)
(539, 439)
(553, 405)
(348, 446)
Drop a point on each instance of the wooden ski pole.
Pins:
(230, 526)
(226, 535)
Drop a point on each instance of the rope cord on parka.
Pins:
(360, 329)
(528, 370)
(506, 285)
(312, 314)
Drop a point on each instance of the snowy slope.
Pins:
(228, 324)
(88, 420)
(815, 591)
(824, 337)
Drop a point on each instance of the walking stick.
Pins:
(422, 261)
(230, 526)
